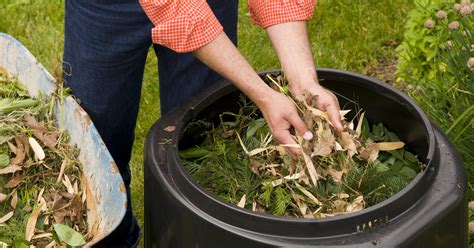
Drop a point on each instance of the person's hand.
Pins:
(326, 100)
(281, 115)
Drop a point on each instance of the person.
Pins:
(105, 49)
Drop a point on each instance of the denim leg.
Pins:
(106, 44)
(182, 75)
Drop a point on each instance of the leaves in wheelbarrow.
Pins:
(35, 159)
(69, 235)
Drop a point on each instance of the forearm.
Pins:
(291, 44)
(222, 56)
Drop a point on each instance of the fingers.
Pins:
(299, 125)
(334, 115)
(284, 137)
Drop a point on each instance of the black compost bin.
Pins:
(430, 212)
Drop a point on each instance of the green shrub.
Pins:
(436, 68)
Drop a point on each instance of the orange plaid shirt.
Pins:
(187, 25)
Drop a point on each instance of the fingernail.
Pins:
(308, 135)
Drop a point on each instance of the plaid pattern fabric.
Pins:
(187, 25)
(266, 13)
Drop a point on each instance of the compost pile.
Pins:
(336, 173)
(42, 200)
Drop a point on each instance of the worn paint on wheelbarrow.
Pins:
(106, 201)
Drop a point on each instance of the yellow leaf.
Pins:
(242, 201)
(308, 194)
(3, 197)
(10, 169)
(6, 217)
(30, 226)
(390, 146)
(39, 153)
(14, 200)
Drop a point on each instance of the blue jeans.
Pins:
(105, 49)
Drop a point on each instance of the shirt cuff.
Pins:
(266, 13)
(193, 26)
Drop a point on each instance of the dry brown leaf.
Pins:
(30, 226)
(40, 195)
(10, 169)
(59, 216)
(471, 205)
(343, 196)
(3, 197)
(338, 206)
(356, 205)
(58, 202)
(50, 140)
(76, 208)
(471, 227)
(370, 153)
(75, 187)
(347, 142)
(6, 217)
(359, 125)
(324, 145)
(301, 205)
(276, 182)
(42, 235)
(12, 147)
(61, 171)
(255, 166)
(44, 206)
(390, 146)
(27, 208)
(40, 132)
(38, 127)
(170, 129)
(35, 125)
(242, 201)
(338, 147)
(281, 151)
(14, 182)
(311, 169)
(52, 244)
(20, 151)
(335, 174)
(68, 185)
(14, 200)
(308, 194)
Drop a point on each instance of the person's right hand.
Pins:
(281, 114)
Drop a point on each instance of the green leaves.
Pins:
(68, 235)
(8, 105)
(254, 126)
(4, 160)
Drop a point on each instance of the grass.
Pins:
(356, 35)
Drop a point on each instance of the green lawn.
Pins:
(356, 35)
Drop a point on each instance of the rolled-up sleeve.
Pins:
(266, 13)
(182, 26)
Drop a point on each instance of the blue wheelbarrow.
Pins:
(106, 201)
